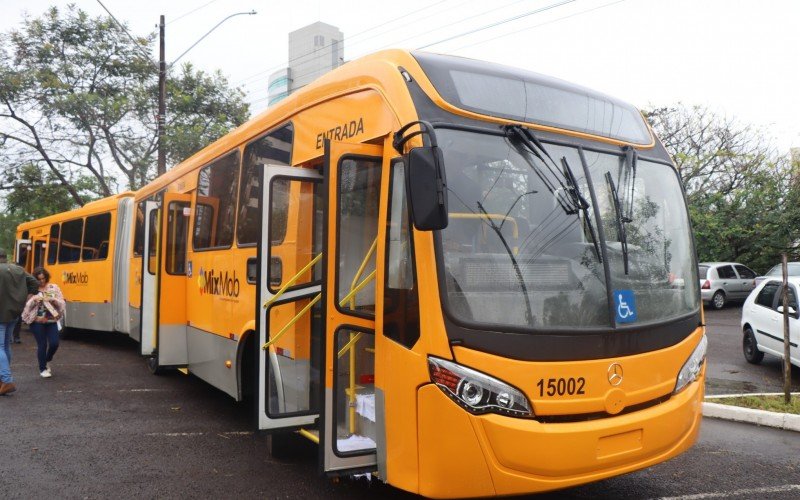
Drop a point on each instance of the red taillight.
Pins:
(706, 285)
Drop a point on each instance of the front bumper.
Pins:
(490, 455)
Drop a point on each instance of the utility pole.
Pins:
(787, 363)
(162, 97)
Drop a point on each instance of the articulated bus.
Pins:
(86, 252)
(467, 279)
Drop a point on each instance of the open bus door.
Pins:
(147, 337)
(289, 293)
(39, 252)
(350, 422)
(170, 329)
(22, 254)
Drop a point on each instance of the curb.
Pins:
(786, 421)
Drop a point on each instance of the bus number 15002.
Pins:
(561, 386)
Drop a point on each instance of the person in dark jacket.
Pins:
(15, 287)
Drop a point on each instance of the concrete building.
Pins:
(313, 51)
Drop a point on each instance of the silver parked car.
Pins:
(721, 282)
(777, 272)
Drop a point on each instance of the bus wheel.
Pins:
(152, 366)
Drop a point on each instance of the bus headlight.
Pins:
(476, 392)
(691, 369)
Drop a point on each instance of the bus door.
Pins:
(23, 254)
(350, 421)
(39, 251)
(170, 343)
(289, 300)
(147, 333)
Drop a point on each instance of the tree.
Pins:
(77, 99)
(742, 201)
(34, 193)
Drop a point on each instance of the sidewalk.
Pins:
(765, 418)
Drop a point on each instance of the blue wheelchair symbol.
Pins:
(625, 306)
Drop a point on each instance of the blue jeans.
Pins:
(46, 342)
(6, 330)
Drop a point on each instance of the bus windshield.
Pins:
(528, 234)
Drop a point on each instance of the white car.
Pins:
(762, 321)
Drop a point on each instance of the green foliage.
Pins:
(768, 403)
(78, 101)
(743, 196)
(200, 109)
(34, 194)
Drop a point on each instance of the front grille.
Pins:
(584, 417)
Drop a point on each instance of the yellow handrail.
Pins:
(361, 270)
(293, 280)
(348, 345)
(292, 322)
(354, 291)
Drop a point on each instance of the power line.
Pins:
(325, 55)
(191, 12)
(538, 25)
(123, 28)
(493, 25)
(350, 38)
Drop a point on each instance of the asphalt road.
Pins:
(103, 427)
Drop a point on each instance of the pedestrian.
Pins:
(42, 313)
(15, 287)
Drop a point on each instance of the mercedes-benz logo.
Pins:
(615, 374)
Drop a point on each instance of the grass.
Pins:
(768, 403)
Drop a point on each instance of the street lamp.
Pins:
(162, 84)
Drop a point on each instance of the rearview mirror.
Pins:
(427, 188)
(792, 310)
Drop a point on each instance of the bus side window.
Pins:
(177, 235)
(52, 246)
(95, 237)
(138, 231)
(274, 148)
(216, 203)
(69, 248)
(401, 300)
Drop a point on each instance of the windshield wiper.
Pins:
(517, 270)
(568, 185)
(620, 220)
(631, 159)
(558, 188)
(581, 203)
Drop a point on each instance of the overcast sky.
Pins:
(738, 57)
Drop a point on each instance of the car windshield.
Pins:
(793, 269)
(702, 272)
(520, 251)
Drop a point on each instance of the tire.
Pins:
(750, 347)
(152, 366)
(718, 300)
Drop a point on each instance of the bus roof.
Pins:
(93, 207)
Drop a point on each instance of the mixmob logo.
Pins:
(217, 283)
(73, 278)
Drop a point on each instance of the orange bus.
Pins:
(464, 278)
(86, 252)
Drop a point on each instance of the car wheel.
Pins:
(718, 300)
(750, 347)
